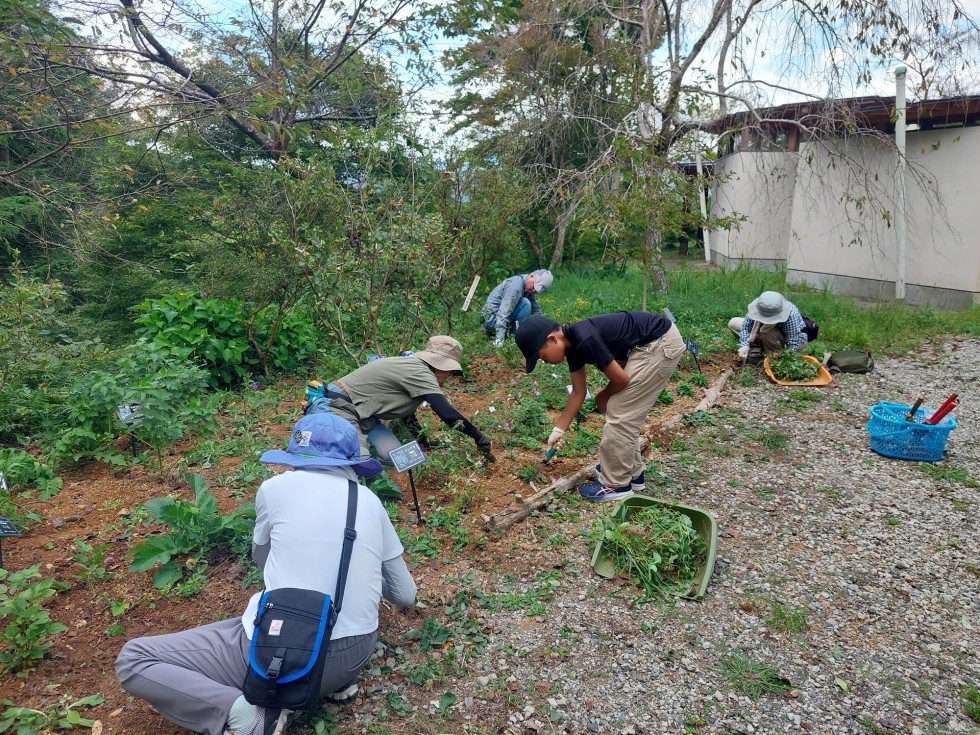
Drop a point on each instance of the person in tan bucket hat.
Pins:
(393, 388)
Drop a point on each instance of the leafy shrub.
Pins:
(169, 391)
(24, 475)
(665, 398)
(685, 389)
(232, 339)
(28, 624)
(195, 527)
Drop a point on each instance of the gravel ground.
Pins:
(878, 557)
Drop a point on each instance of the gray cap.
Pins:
(542, 280)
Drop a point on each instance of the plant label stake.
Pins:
(6, 527)
(129, 414)
(405, 458)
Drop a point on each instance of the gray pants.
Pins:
(193, 677)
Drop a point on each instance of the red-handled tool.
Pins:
(948, 405)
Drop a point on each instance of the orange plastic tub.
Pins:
(823, 377)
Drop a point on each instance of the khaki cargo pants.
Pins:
(649, 368)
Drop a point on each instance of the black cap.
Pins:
(532, 335)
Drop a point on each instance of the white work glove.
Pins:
(498, 343)
(743, 352)
(556, 439)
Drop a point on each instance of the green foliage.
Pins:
(195, 527)
(233, 339)
(665, 398)
(752, 678)
(385, 488)
(970, 697)
(698, 379)
(786, 617)
(685, 389)
(656, 547)
(64, 715)
(25, 474)
(168, 390)
(28, 626)
(90, 560)
(791, 367)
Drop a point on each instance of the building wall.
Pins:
(841, 233)
(759, 187)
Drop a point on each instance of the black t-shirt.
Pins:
(601, 339)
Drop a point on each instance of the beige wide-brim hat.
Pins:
(442, 353)
(769, 308)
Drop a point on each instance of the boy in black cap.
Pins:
(637, 351)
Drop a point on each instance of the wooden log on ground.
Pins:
(522, 507)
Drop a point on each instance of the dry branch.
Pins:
(522, 507)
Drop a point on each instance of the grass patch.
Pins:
(950, 474)
(971, 703)
(799, 400)
(787, 618)
(752, 678)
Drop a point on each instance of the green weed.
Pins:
(793, 620)
(752, 678)
(949, 474)
(90, 560)
(28, 626)
(64, 715)
(971, 702)
(799, 400)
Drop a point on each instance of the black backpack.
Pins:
(811, 329)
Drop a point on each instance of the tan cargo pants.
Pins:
(649, 368)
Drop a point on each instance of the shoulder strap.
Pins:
(349, 535)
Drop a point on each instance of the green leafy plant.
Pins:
(657, 548)
(791, 619)
(685, 389)
(28, 625)
(195, 527)
(752, 678)
(385, 488)
(64, 715)
(791, 367)
(26, 475)
(698, 379)
(971, 702)
(90, 560)
(233, 338)
(665, 398)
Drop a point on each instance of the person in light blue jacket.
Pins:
(512, 302)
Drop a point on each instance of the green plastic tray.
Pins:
(702, 521)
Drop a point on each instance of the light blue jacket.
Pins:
(504, 299)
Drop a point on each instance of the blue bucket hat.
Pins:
(323, 440)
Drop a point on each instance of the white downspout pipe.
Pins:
(900, 182)
(704, 205)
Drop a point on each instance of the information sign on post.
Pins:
(405, 458)
(7, 529)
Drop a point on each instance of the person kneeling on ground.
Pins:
(194, 678)
(512, 302)
(773, 324)
(638, 352)
(393, 388)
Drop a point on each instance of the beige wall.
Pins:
(841, 232)
(759, 187)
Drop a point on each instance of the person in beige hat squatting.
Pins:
(194, 677)
(773, 324)
(393, 388)
(638, 352)
(512, 301)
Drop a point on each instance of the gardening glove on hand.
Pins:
(484, 445)
(556, 439)
(498, 343)
(743, 352)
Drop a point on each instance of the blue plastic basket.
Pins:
(892, 436)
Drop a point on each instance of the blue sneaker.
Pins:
(597, 491)
(638, 484)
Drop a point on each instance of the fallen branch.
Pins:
(522, 507)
